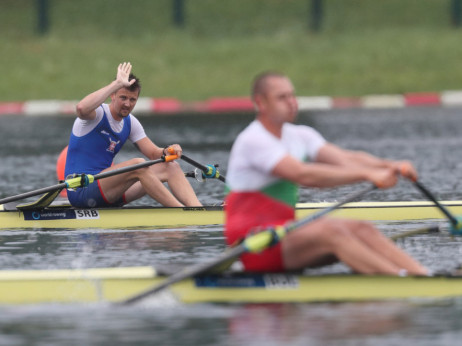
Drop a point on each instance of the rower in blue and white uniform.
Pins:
(100, 131)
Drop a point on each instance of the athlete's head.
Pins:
(260, 82)
(274, 97)
(124, 100)
(136, 86)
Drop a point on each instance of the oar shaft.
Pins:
(129, 168)
(431, 197)
(188, 272)
(33, 193)
(200, 166)
(194, 163)
(424, 230)
(259, 241)
(327, 210)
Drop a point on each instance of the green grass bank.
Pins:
(364, 47)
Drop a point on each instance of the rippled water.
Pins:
(430, 137)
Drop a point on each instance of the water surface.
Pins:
(429, 137)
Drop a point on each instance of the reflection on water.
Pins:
(344, 324)
(378, 323)
(292, 323)
(108, 248)
(430, 137)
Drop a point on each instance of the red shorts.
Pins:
(247, 211)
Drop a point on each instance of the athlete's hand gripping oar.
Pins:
(255, 242)
(209, 171)
(85, 179)
(456, 225)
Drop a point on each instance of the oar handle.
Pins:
(431, 197)
(126, 169)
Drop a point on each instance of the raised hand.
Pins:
(123, 72)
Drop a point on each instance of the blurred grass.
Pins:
(364, 47)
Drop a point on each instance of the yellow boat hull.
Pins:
(118, 284)
(161, 217)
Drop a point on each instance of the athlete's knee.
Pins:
(174, 168)
(329, 232)
(136, 161)
(338, 231)
(363, 228)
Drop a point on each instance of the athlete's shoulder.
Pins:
(297, 127)
(248, 135)
(301, 129)
(103, 108)
(255, 128)
(101, 111)
(134, 122)
(136, 129)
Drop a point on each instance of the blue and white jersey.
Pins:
(94, 143)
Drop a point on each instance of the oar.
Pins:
(196, 174)
(423, 230)
(255, 242)
(209, 171)
(456, 226)
(85, 179)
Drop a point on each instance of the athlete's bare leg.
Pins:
(346, 240)
(149, 181)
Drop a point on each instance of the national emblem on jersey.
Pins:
(112, 145)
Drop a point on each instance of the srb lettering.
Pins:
(87, 214)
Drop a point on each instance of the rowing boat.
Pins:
(117, 284)
(62, 216)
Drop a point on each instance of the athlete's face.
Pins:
(123, 101)
(279, 101)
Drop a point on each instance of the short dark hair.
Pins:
(259, 85)
(135, 86)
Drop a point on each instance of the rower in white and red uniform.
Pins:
(271, 158)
